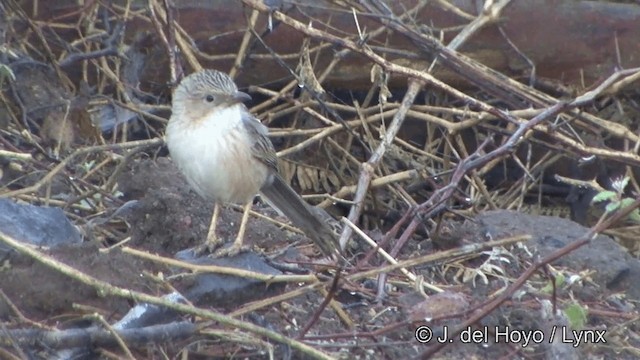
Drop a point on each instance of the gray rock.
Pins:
(37, 225)
(615, 269)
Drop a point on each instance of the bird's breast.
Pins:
(215, 156)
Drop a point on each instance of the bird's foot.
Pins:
(230, 251)
(208, 247)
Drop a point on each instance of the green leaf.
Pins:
(635, 216)
(626, 202)
(623, 183)
(605, 195)
(559, 280)
(577, 315)
(611, 207)
(6, 72)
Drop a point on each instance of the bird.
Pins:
(225, 155)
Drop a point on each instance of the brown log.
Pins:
(572, 41)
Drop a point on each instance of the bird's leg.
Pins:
(237, 246)
(212, 242)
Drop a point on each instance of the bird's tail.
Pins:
(314, 222)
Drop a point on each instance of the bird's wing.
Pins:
(262, 147)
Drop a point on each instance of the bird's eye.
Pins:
(209, 98)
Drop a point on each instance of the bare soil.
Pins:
(169, 217)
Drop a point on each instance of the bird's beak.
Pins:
(241, 97)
